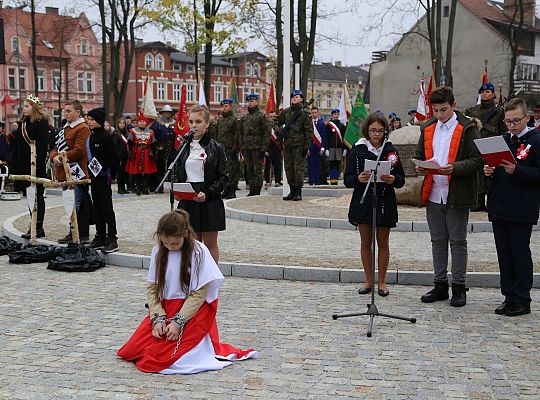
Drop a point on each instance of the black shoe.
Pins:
(383, 292)
(501, 310)
(513, 310)
(84, 240)
(39, 234)
(440, 292)
(364, 290)
(111, 246)
(122, 191)
(291, 194)
(144, 190)
(230, 195)
(324, 183)
(298, 194)
(138, 191)
(66, 239)
(459, 295)
(99, 242)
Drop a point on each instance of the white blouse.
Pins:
(195, 162)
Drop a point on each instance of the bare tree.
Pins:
(514, 35)
(449, 80)
(119, 20)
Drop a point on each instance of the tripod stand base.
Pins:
(373, 312)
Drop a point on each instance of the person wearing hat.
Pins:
(255, 137)
(141, 164)
(33, 129)
(335, 131)
(129, 121)
(163, 129)
(412, 117)
(297, 140)
(228, 135)
(317, 148)
(491, 118)
(103, 165)
(536, 115)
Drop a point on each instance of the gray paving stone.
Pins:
(404, 226)
(319, 275)
(259, 218)
(225, 268)
(146, 262)
(415, 278)
(482, 227)
(295, 221)
(246, 216)
(483, 279)
(352, 275)
(418, 226)
(276, 219)
(318, 223)
(124, 260)
(235, 214)
(342, 224)
(257, 271)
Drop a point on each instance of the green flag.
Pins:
(354, 127)
(233, 93)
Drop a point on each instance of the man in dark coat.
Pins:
(228, 135)
(492, 118)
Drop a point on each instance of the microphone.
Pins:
(189, 136)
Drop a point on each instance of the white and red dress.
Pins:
(200, 348)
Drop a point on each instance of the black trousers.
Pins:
(103, 207)
(273, 161)
(512, 241)
(121, 176)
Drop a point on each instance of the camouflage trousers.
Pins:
(294, 158)
(234, 168)
(253, 160)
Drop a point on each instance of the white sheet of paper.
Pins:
(494, 144)
(68, 198)
(383, 169)
(428, 164)
(183, 187)
(31, 197)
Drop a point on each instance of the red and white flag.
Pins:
(345, 107)
(423, 109)
(181, 125)
(316, 135)
(485, 79)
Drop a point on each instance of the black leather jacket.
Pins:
(216, 172)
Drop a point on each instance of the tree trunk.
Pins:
(34, 38)
(279, 40)
(438, 44)
(514, 35)
(210, 12)
(449, 43)
(105, 86)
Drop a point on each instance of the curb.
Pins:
(287, 272)
(329, 223)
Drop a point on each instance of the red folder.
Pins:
(183, 191)
(494, 150)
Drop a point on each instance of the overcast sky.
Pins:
(349, 21)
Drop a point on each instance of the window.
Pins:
(56, 80)
(177, 90)
(190, 68)
(328, 101)
(12, 79)
(218, 70)
(90, 82)
(41, 80)
(218, 93)
(161, 92)
(446, 11)
(15, 44)
(57, 114)
(230, 71)
(22, 79)
(177, 67)
(160, 62)
(149, 61)
(80, 82)
(249, 69)
(84, 46)
(256, 70)
(190, 92)
(528, 72)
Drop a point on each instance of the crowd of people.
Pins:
(184, 278)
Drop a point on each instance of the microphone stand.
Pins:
(372, 309)
(187, 139)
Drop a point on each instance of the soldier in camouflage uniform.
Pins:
(297, 140)
(492, 119)
(228, 134)
(255, 137)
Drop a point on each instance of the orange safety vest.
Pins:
(429, 133)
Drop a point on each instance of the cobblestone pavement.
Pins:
(272, 244)
(60, 332)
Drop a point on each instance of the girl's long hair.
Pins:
(35, 115)
(121, 131)
(176, 223)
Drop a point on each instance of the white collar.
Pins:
(448, 124)
(369, 146)
(73, 124)
(524, 131)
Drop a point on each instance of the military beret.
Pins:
(411, 111)
(335, 110)
(486, 86)
(297, 92)
(252, 96)
(226, 101)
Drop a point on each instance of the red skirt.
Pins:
(133, 165)
(154, 355)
